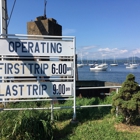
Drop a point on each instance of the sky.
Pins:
(103, 28)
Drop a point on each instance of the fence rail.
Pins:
(52, 108)
(56, 99)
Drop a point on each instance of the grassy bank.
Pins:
(101, 129)
(93, 123)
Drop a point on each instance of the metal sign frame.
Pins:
(68, 56)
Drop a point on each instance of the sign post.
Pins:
(3, 16)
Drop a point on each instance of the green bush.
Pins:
(26, 125)
(128, 100)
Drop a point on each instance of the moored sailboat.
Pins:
(114, 63)
(132, 65)
(100, 67)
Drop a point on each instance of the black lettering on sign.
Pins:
(34, 47)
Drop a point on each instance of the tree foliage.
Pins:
(128, 100)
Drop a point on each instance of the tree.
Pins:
(128, 100)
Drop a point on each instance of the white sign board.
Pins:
(33, 48)
(36, 68)
(36, 90)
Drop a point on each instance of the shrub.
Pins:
(128, 100)
(29, 125)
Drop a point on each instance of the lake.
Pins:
(115, 74)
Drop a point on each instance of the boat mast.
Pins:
(81, 58)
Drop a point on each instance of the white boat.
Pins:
(94, 64)
(126, 64)
(90, 64)
(79, 65)
(114, 63)
(132, 66)
(101, 67)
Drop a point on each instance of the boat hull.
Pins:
(132, 66)
(113, 64)
(102, 67)
(79, 65)
(98, 69)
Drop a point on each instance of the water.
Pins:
(115, 74)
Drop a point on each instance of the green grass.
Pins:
(101, 129)
(93, 123)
